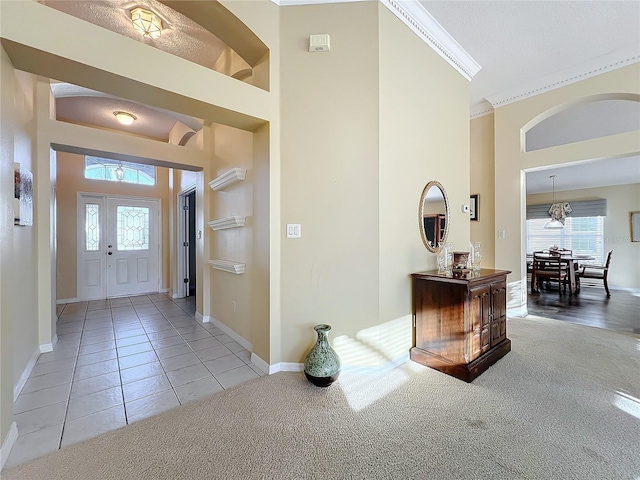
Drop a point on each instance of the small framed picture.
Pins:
(474, 207)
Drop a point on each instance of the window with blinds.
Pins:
(582, 235)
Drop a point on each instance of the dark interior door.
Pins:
(191, 235)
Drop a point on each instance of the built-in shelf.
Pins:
(234, 175)
(229, 222)
(227, 266)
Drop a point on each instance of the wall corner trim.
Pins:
(48, 347)
(260, 363)
(480, 110)
(17, 388)
(7, 444)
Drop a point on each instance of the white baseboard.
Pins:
(520, 311)
(163, 290)
(260, 363)
(242, 341)
(356, 369)
(17, 388)
(7, 444)
(48, 347)
(200, 318)
(61, 301)
(286, 367)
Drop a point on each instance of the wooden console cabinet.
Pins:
(460, 322)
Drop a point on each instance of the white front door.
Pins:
(120, 249)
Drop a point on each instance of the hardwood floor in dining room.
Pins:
(620, 312)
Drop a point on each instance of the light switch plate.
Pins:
(294, 230)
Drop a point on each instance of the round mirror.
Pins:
(433, 215)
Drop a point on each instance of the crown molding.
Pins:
(287, 3)
(416, 17)
(591, 68)
(480, 110)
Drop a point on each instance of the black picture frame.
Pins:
(474, 207)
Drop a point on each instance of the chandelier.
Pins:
(558, 210)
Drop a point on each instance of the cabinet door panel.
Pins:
(479, 309)
(499, 310)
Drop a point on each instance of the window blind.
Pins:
(582, 208)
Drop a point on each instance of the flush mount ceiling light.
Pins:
(125, 118)
(146, 22)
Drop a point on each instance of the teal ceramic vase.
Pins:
(322, 365)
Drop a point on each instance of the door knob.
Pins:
(109, 253)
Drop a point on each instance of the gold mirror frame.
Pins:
(423, 235)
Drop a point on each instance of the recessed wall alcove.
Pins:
(588, 118)
(205, 33)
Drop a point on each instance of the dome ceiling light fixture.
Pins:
(125, 118)
(146, 22)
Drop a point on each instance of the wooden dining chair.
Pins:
(549, 268)
(597, 272)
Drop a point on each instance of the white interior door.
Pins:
(132, 246)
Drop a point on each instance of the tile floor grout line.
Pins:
(75, 366)
(115, 341)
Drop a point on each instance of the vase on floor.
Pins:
(322, 365)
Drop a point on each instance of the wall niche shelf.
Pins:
(234, 175)
(228, 222)
(227, 266)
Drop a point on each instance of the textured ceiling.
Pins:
(181, 36)
(517, 42)
(99, 111)
(600, 173)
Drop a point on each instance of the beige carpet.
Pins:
(563, 404)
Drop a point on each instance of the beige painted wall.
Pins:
(621, 200)
(356, 156)
(71, 181)
(330, 175)
(424, 136)
(230, 293)
(511, 162)
(25, 329)
(19, 334)
(6, 244)
(483, 183)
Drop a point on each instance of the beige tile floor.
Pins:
(118, 361)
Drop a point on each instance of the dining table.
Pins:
(570, 260)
